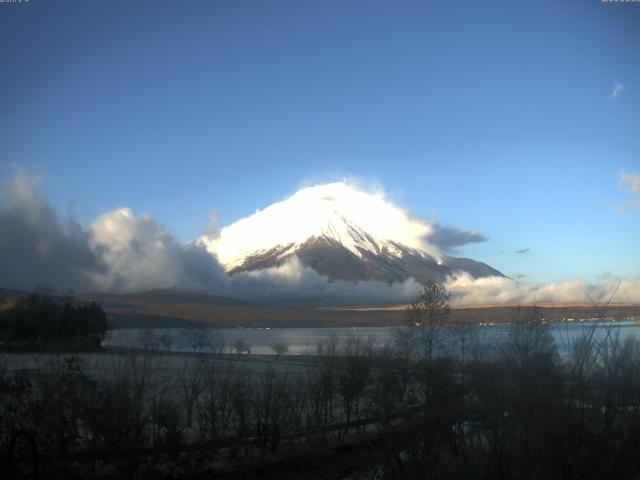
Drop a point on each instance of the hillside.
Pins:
(175, 308)
(164, 308)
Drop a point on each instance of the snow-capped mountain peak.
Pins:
(338, 212)
(342, 233)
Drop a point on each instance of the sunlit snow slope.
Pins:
(341, 232)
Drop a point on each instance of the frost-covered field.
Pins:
(113, 362)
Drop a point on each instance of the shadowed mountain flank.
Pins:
(330, 258)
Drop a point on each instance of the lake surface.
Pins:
(305, 340)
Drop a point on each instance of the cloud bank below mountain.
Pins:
(467, 291)
(121, 252)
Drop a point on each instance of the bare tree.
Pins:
(216, 407)
(358, 345)
(166, 340)
(196, 337)
(272, 403)
(217, 342)
(240, 346)
(352, 383)
(149, 340)
(280, 348)
(191, 386)
(529, 338)
(425, 332)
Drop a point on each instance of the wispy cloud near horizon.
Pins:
(468, 291)
(618, 88)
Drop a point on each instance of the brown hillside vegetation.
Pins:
(173, 307)
(167, 308)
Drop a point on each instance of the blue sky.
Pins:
(493, 116)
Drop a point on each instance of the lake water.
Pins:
(304, 340)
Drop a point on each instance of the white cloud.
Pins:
(630, 181)
(38, 246)
(122, 252)
(468, 291)
(332, 209)
(293, 281)
(117, 252)
(618, 88)
(141, 254)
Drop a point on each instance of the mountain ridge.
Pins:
(341, 233)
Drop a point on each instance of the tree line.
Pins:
(44, 319)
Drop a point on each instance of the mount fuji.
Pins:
(342, 233)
